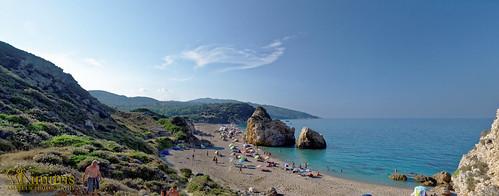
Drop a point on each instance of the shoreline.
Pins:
(285, 182)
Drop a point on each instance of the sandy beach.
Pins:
(285, 182)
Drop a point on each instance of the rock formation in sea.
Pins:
(398, 177)
(263, 131)
(310, 139)
(478, 171)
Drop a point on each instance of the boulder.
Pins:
(425, 180)
(442, 177)
(478, 169)
(261, 130)
(271, 192)
(310, 139)
(398, 177)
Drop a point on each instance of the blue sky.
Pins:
(331, 58)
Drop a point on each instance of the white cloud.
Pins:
(93, 62)
(167, 61)
(232, 58)
(181, 79)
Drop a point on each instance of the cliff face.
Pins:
(263, 131)
(478, 171)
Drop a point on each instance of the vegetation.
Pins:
(49, 125)
(203, 185)
(186, 172)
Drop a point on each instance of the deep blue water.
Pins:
(370, 149)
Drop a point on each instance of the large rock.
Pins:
(398, 177)
(263, 131)
(442, 177)
(310, 139)
(425, 180)
(478, 170)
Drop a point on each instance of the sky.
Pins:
(335, 59)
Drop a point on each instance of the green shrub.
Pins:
(114, 187)
(37, 169)
(135, 183)
(49, 158)
(143, 157)
(186, 172)
(6, 146)
(15, 119)
(37, 127)
(112, 146)
(69, 140)
(76, 159)
(164, 143)
(143, 171)
(80, 151)
(203, 185)
(180, 136)
(198, 183)
(105, 155)
(156, 186)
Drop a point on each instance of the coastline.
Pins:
(285, 182)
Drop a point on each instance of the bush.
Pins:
(15, 119)
(187, 173)
(143, 157)
(38, 169)
(69, 140)
(145, 172)
(203, 185)
(156, 186)
(135, 183)
(80, 151)
(105, 155)
(37, 127)
(164, 143)
(113, 146)
(6, 146)
(179, 136)
(114, 187)
(49, 158)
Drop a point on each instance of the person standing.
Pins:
(92, 176)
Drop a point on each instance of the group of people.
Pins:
(229, 132)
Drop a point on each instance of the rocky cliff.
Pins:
(478, 171)
(310, 139)
(263, 131)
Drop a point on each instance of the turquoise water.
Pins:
(370, 149)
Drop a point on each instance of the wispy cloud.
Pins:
(92, 62)
(181, 79)
(233, 58)
(167, 61)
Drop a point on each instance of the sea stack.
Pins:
(478, 170)
(261, 130)
(310, 139)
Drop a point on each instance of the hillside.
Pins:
(197, 108)
(50, 126)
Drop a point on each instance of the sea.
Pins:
(369, 150)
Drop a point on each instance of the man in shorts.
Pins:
(92, 177)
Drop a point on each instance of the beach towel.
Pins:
(419, 191)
